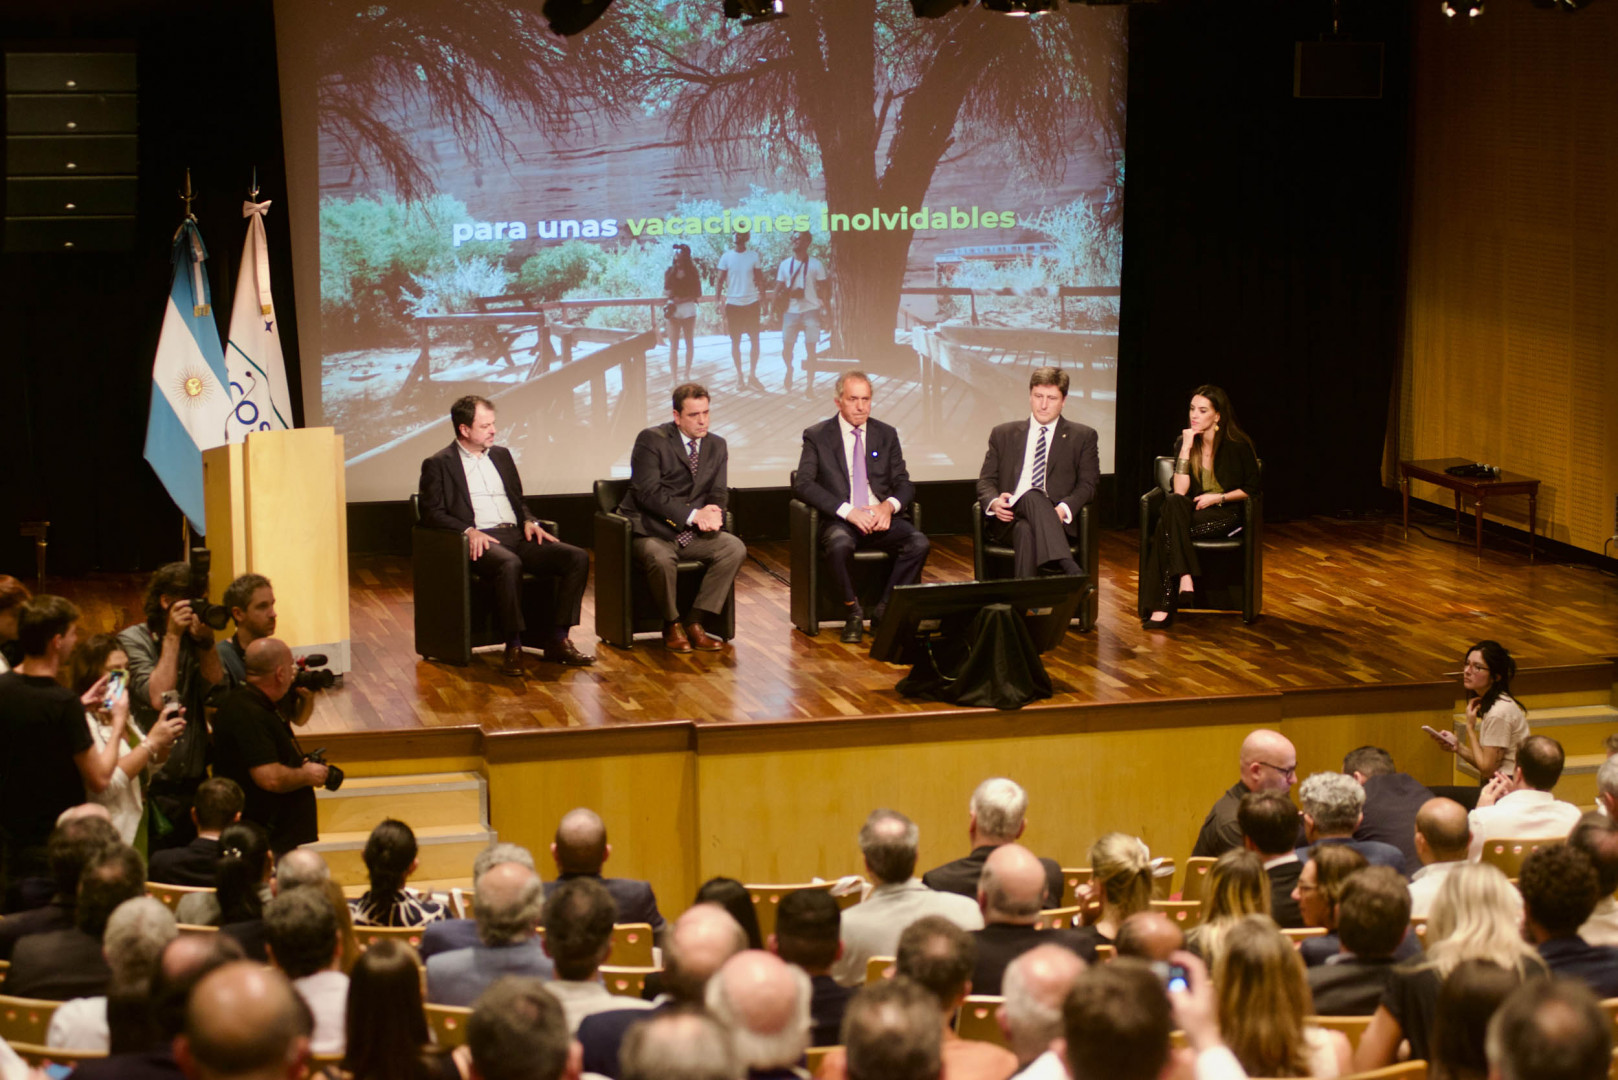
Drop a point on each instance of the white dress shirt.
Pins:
(490, 505)
(326, 994)
(1025, 479)
(1601, 928)
(848, 462)
(1525, 814)
(80, 1024)
(582, 999)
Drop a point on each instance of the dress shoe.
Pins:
(674, 639)
(853, 626)
(877, 614)
(700, 639)
(512, 664)
(1185, 599)
(567, 654)
(1148, 624)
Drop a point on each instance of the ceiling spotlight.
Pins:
(1470, 8)
(753, 12)
(936, 9)
(1019, 8)
(569, 17)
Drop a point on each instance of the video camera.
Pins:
(216, 616)
(312, 674)
(334, 775)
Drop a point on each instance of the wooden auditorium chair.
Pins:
(993, 562)
(815, 597)
(978, 1020)
(1232, 566)
(624, 604)
(454, 610)
(448, 1024)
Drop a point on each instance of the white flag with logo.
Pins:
(258, 374)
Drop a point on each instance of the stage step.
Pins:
(1581, 729)
(449, 813)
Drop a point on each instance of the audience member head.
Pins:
(244, 865)
(1237, 885)
(219, 803)
(1269, 822)
(999, 809)
(1466, 1002)
(12, 595)
(1333, 805)
(250, 599)
(1269, 761)
(112, 874)
(244, 1020)
(183, 963)
(700, 942)
(138, 931)
(891, 1032)
(679, 1044)
(390, 858)
(1443, 831)
(345, 924)
(270, 667)
(1035, 986)
(1320, 883)
(1560, 888)
(301, 930)
(1597, 836)
(510, 901)
(733, 896)
(1487, 673)
(495, 854)
(581, 844)
(1550, 1029)
(1607, 779)
(1149, 935)
(300, 867)
(1475, 916)
(1263, 999)
(71, 845)
(386, 1028)
(1116, 1023)
(47, 628)
(518, 1031)
(93, 657)
(168, 583)
(1539, 763)
(1121, 875)
(578, 921)
(889, 841)
(938, 956)
(1011, 888)
(1373, 912)
(764, 1003)
(1364, 762)
(808, 930)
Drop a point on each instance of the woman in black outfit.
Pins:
(1215, 467)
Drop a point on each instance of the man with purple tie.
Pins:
(853, 471)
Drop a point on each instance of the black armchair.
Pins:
(454, 611)
(1232, 566)
(992, 561)
(624, 604)
(814, 592)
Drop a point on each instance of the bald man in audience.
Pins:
(763, 1002)
(1011, 895)
(1269, 762)
(518, 1031)
(1036, 985)
(1550, 1030)
(1596, 835)
(1150, 936)
(683, 1042)
(997, 814)
(581, 849)
(699, 942)
(891, 1032)
(244, 1021)
(298, 867)
(1443, 838)
(509, 906)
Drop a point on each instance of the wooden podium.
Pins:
(277, 506)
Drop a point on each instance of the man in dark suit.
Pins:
(66, 964)
(678, 475)
(853, 471)
(1373, 917)
(997, 815)
(1269, 824)
(1392, 800)
(1036, 477)
(472, 486)
(581, 849)
(1333, 806)
(508, 909)
(1011, 895)
(218, 804)
(72, 843)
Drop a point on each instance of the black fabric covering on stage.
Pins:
(995, 665)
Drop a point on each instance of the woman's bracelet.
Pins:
(1182, 466)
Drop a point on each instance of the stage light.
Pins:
(1470, 8)
(569, 17)
(1019, 8)
(936, 9)
(753, 12)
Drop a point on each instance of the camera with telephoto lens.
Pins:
(216, 616)
(334, 775)
(312, 674)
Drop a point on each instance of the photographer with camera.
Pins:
(172, 652)
(254, 746)
(250, 600)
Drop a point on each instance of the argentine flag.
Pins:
(258, 375)
(190, 387)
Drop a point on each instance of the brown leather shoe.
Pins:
(567, 654)
(674, 639)
(700, 639)
(512, 664)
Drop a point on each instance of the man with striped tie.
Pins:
(1036, 477)
(678, 476)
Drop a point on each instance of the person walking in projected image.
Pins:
(803, 277)
(741, 283)
(682, 285)
(1215, 467)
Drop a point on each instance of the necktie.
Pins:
(687, 534)
(1039, 462)
(860, 488)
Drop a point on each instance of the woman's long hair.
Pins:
(1474, 917)
(1263, 999)
(1469, 997)
(1228, 427)
(1237, 886)
(1333, 864)
(1122, 866)
(385, 1025)
(733, 896)
(244, 858)
(1501, 666)
(89, 657)
(389, 852)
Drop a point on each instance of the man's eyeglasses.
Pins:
(1290, 770)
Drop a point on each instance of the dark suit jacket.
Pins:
(827, 1003)
(999, 945)
(1391, 802)
(1284, 909)
(662, 492)
(446, 501)
(1072, 465)
(823, 481)
(447, 935)
(961, 877)
(148, 1065)
(40, 920)
(602, 1034)
(58, 966)
(1377, 854)
(635, 900)
(1350, 987)
(193, 864)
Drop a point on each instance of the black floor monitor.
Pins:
(918, 614)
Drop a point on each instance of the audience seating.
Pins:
(878, 967)
(626, 981)
(1072, 878)
(1196, 876)
(1105, 953)
(1185, 913)
(632, 945)
(40, 1056)
(448, 1024)
(1163, 884)
(25, 1019)
(993, 562)
(815, 1056)
(1508, 853)
(171, 895)
(814, 591)
(5, 965)
(1299, 934)
(197, 928)
(454, 611)
(624, 605)
(976, 1020)
(1352, 1026)
(1415, 1069)
(1232, 566)
(767, 897)
(1610, 1007)
(1057, 918)
(404, 935)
